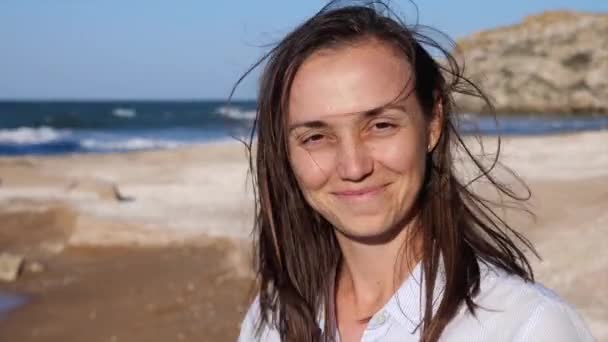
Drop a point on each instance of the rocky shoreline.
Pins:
(555, 62)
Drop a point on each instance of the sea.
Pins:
(64, 127)
(9, 302)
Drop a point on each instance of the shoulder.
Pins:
(249, 331)
(533, 312)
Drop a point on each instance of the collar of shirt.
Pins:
(406, 305)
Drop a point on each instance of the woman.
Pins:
(364, 232)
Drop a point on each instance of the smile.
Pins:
(360, 194)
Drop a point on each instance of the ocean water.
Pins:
(114, 126)
(9, 302)
(60, 127)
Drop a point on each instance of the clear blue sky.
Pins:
(185, 49)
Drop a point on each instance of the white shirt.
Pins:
(509, 310)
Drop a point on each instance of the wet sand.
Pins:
(127, 294)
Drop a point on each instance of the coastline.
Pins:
(154, 245)
(102, 132)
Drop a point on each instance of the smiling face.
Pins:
(358, 155)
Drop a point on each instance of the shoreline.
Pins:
(53, 141)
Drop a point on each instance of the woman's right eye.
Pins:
(313, 139)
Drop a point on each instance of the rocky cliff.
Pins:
(555, 62)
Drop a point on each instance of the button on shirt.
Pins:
(509, 310)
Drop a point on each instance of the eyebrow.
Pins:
(322, 124)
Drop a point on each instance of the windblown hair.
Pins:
(296, 251)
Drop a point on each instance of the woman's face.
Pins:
(358, 162)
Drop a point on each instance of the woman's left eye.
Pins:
(383, 125)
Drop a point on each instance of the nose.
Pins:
(354, 160)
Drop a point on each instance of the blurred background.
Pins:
(126, 210)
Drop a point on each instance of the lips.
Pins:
(361, 193)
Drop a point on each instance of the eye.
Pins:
(383, 126)
(313, 139)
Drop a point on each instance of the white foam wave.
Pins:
(30, 135)
(128, 144)
(126, 113)
(236, 113)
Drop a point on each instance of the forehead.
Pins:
(348, 80)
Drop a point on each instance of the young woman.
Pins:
(364, 232)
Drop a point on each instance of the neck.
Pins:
(370, 273)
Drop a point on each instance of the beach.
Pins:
(155, 245)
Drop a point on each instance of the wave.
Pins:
(30, 135)
(126, 113)
(132, 144)
(236, 113)
(47, 140)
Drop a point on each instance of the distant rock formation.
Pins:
(555, 62)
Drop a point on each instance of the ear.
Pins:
(435, 125)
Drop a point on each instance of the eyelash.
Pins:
(388, 124)
(309, 140)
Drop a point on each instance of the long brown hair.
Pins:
(296, 252)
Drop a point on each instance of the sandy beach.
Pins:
(154, 246)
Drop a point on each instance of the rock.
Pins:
(103, 189)
(119, 196)
(10, 266)
(190, 287)
(33, 267)
(37, 230)
(52, 247)
(554, 62)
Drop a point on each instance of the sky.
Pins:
(186, 49)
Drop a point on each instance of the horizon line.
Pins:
(109, 99)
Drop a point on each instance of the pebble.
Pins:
(10, 266)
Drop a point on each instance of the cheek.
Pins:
(403, 155)
(312, 170)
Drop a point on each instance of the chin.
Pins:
(367, 229)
